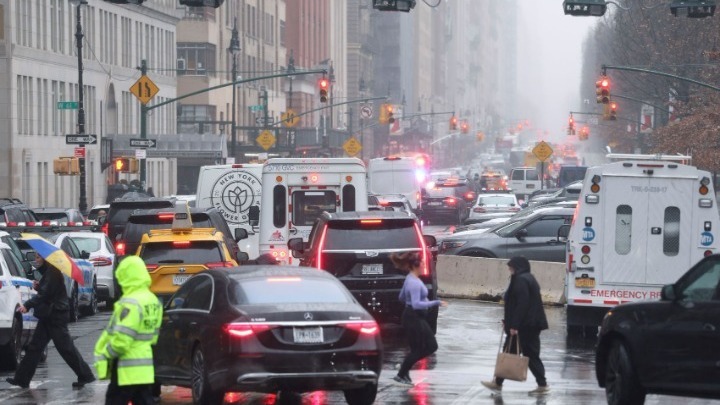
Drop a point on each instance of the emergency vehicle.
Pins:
(641, 222)
(297, 191)
(399, 175)
(232, 189)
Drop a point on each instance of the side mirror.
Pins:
(30, 256)
(430, 241)
(563, 233)
(242, 257)
(521, 234)
(297, 246)
(84, 255)
(254, 215)
(668, 293)
(240, 234)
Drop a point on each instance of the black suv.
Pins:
(13, 210)
(142, 221)
(356, 248)
(120, 211)
(449, 199)
(664, 347)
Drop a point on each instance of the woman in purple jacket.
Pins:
(414, 318)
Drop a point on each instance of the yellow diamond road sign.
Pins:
(289, 118)
(542, 151)
(144, 89)
(352, 147)
(266, 139)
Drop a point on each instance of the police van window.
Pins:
(623, 228)
(518, 175)
(348, 198)
(279, 206)
(201, 296)
(309, 205)
(531, 175)
(671, 232)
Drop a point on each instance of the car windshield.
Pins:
(496, 200)
(355, 235)
(87, 244)
(289, 290)
(195, 252)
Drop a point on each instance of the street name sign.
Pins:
(81, 139)
(256, 107)
(144, 89)
(143, 143)
(67, 105)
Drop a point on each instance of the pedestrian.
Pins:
(414, 295)
(123, 353)
(524, 320)
(52, 309)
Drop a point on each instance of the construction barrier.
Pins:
(486, 279)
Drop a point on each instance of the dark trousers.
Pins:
(530, 348)
(140, 394)
(55, 329)
(420, 336)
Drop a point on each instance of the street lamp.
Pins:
(233, 49)
(82, 205)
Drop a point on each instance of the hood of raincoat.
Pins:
(519, 264)
(132, 274)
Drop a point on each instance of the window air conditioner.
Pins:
(181, 64)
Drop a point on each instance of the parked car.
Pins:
(268, 329)
(571, 192)
(667, 346)
(102, 256)
(534, 236)
(16, 329)
(27, 265)
(489, 206)
(356, 247)
(395, 202)
(13, 210)
(69, 216)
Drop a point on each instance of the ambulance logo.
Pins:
(706, 239)
(276, 237)
(233, 194)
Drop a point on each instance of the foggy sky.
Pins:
(549, 63)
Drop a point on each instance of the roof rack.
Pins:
(685, 159)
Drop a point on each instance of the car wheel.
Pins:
(11, 352)
(361, 396)
(93, 307)
(200, 387)
(74, 304)
(622, 386)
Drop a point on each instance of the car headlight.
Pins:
(446, 245)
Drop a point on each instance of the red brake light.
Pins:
(120, 248)
(150, 267)
(322, 246)
(420, 161)
(585, 249)
(244, 329)
(364, 328)
(181, 244)
(421, 240)
(166, 216)
(215, 265)
(450, 201)
(372, 221)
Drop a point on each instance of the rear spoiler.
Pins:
(20, 228)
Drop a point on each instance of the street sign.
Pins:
(67, 105)
(266, 139)
(144, 89)
(352, 147)
(81, 139)
(143, 143)
(542, 151)
(255, 108)
(140, 153)
(261, 121)
(289, 118)
(80, 152)
(366, 112)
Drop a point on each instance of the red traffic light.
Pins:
(323, 84)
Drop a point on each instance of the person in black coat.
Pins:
(524, 319)
(52, 308)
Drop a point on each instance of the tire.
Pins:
(622, 386)
(74, 314)
(11, 352)
(93, 307)
(202, 394)
(361, 396)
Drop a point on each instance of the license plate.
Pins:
(180, 279)
(434, 204)
(585, 282)
(308, 335)
(369, 269)
(530, 186)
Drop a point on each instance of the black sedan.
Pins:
(268, 329)
(665, 347)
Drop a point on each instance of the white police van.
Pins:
(297, 191)
(641, 222)
(399, 175)
(16, 329)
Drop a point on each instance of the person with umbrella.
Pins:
(51, 308)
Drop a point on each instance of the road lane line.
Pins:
(468, 396)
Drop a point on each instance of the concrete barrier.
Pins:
(487, 279)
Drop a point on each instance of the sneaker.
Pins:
(540, 390)
(492, 385)
(14, 382)
(403, 380)
(82, 383)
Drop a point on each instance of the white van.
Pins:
(641, 222)
(398, 175)
(297, 191)
(524, 181)
(232, 189)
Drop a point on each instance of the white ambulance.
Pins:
(399, 175)
(298, 190)
(641, 222)
(232, 189)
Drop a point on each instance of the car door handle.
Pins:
(708, 327)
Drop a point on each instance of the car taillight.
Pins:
(120, 248)
(450, 201)
(363, 328)
(215, 265)
(105, 229)
(479, 209)
(150, 267)
(101, 261)
(166, 216)
(321, 246)
(245, 329)
(181, 244)
(421, 241)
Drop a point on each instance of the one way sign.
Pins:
(81, 139)
(143, 143)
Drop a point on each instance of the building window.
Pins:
(192, 117)
(282, 32)
(199, 13)
(198, 58)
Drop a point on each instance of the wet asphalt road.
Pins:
(468, 336)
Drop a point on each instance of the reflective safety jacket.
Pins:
(133, 328)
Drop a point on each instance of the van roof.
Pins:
(310, 161)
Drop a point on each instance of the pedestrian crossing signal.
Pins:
(126, 165)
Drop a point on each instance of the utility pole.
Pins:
(233, 49)
(82, 205)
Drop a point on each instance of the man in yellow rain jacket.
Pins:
(123, 353)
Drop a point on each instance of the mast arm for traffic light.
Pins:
(360, 100)
(410, 116)
(655, 72)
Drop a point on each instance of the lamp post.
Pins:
(82, 205)
(233, 49)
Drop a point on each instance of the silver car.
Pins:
(489, 206)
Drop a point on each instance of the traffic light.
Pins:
(595, 8)
(571, 126)
(464, 127)
(126, 165)
(394, 5)
(323, 85)
(613, 111)
(453, 123)
(584, 134)
(65, 166)
(693, 8)
(390, 118)
(602, 89)
(480, 136)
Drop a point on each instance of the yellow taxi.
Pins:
(174, 255)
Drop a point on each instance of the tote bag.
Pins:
(509, 365)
